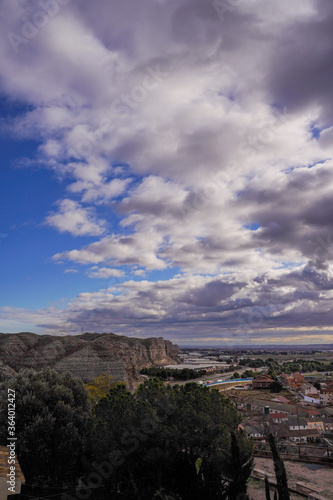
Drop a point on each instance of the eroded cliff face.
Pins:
(86, 356)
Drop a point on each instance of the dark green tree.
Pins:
(174, 440)
(280, 471)
(238, 469)
(276, 386)
(51, 415)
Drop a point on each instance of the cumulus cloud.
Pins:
(206, 135)
(138, 248)
(105, 272)
(199, 309)
(75, 219)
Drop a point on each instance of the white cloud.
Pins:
(139, 248)
(225, 308)
(76, 220)
(105, 272)
(71, 271)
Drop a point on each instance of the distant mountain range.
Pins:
(86, 356)
(265, 347)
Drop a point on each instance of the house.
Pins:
(316, 423)
(298, 436)
(309, 390)
(278, 418)
(251, 429)
(309, 412)
(263, 381)
(325, 399)
(293, 381)
(283, 433)
(310, 399)
(326, 388)
(296, 423)
(304, 436)
(259, 405)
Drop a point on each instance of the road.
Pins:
(217, 376)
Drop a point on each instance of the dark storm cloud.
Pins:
(301, 70)
(292, 216)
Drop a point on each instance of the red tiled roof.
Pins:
(312, 411)
(304, 432)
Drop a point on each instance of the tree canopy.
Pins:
(173, 373)
(160, 442)
(99, 387)
(177, 438)
(51, 414)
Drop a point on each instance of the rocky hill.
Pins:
(86, 356)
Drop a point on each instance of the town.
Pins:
(296, 407)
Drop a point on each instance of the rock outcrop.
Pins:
(86, 356)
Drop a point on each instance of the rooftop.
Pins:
(293, 420)
(278, 415)
(304, 433)
(311, 411)
(275, 406)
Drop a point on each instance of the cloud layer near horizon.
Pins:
(206, 128)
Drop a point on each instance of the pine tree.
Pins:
(280, 471)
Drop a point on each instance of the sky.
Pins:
(166, 169)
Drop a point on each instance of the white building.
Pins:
(297, 423)
(308, 389)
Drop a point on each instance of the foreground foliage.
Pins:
(51, 416)
(180, 439)
(161, 442)
(99, 387)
